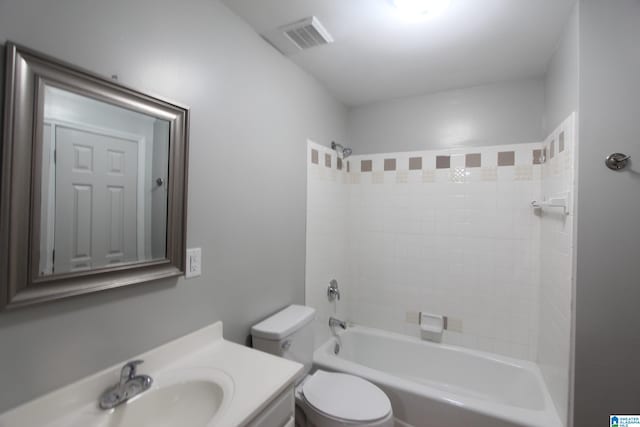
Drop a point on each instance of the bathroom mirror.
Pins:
(93, 182)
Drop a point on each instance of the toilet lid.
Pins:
(346, 397)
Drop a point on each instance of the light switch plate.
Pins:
(194, 263)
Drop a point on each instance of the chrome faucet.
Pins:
(131, 384)
(333, 322)
(332, 291)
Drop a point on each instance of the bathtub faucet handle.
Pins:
(332, 291)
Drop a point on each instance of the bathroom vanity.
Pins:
(199, 380)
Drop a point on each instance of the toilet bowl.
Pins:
(328, 399)
(323, 399)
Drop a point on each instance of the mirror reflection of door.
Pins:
(96, 199)
(104, 185)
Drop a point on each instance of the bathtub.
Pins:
(436, 385)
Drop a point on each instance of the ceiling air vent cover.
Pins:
(307, 33)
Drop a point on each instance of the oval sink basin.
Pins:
(193, 403)
(192, 397)
(184, 397)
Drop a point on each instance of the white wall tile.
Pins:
(462, 242)
(556, 258)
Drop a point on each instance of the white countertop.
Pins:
(257, 378)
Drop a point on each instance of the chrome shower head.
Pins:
(342, 151)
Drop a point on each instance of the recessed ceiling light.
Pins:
(420, 7)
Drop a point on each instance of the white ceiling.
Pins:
(379, 54)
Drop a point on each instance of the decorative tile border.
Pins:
(473, 160)
(415, 163)
(538, 156)
(523, 161)
(506, 158)
(443, 162)
(389, 164)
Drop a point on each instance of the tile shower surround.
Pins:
(556, 281)
(451, 232)
(447, 231)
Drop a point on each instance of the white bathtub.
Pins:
(436, 385)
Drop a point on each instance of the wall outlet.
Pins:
(194, 263)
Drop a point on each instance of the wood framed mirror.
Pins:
(94, 182)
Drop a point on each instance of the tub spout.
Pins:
(333, 322)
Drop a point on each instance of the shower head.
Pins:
(342, 151)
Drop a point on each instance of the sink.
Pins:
(190, 397)
(199, 380)
(189, 404)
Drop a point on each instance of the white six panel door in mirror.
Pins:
(104, 184)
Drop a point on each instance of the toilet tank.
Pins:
(288, 334)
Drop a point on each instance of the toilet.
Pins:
(323, 399)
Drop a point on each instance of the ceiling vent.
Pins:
(307, 33)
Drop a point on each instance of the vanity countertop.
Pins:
(251, 380)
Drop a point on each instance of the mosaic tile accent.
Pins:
(355, 178)
(327, 160)
(402, 177)
(314, 157)
(415, 163)
(377, 177)
(389, 164)
(458, 175)
(443, 162)
(473, 160)
(366, 166)
(506, 158)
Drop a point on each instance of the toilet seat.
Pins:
(345, 397)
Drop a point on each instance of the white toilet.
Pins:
(323, 399)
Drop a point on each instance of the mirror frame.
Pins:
(27, 72)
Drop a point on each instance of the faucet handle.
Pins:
(129, 370)
(332, 291)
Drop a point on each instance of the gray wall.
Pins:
(561, 80)
(607, 342)
(502, 113)
(252, 111)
